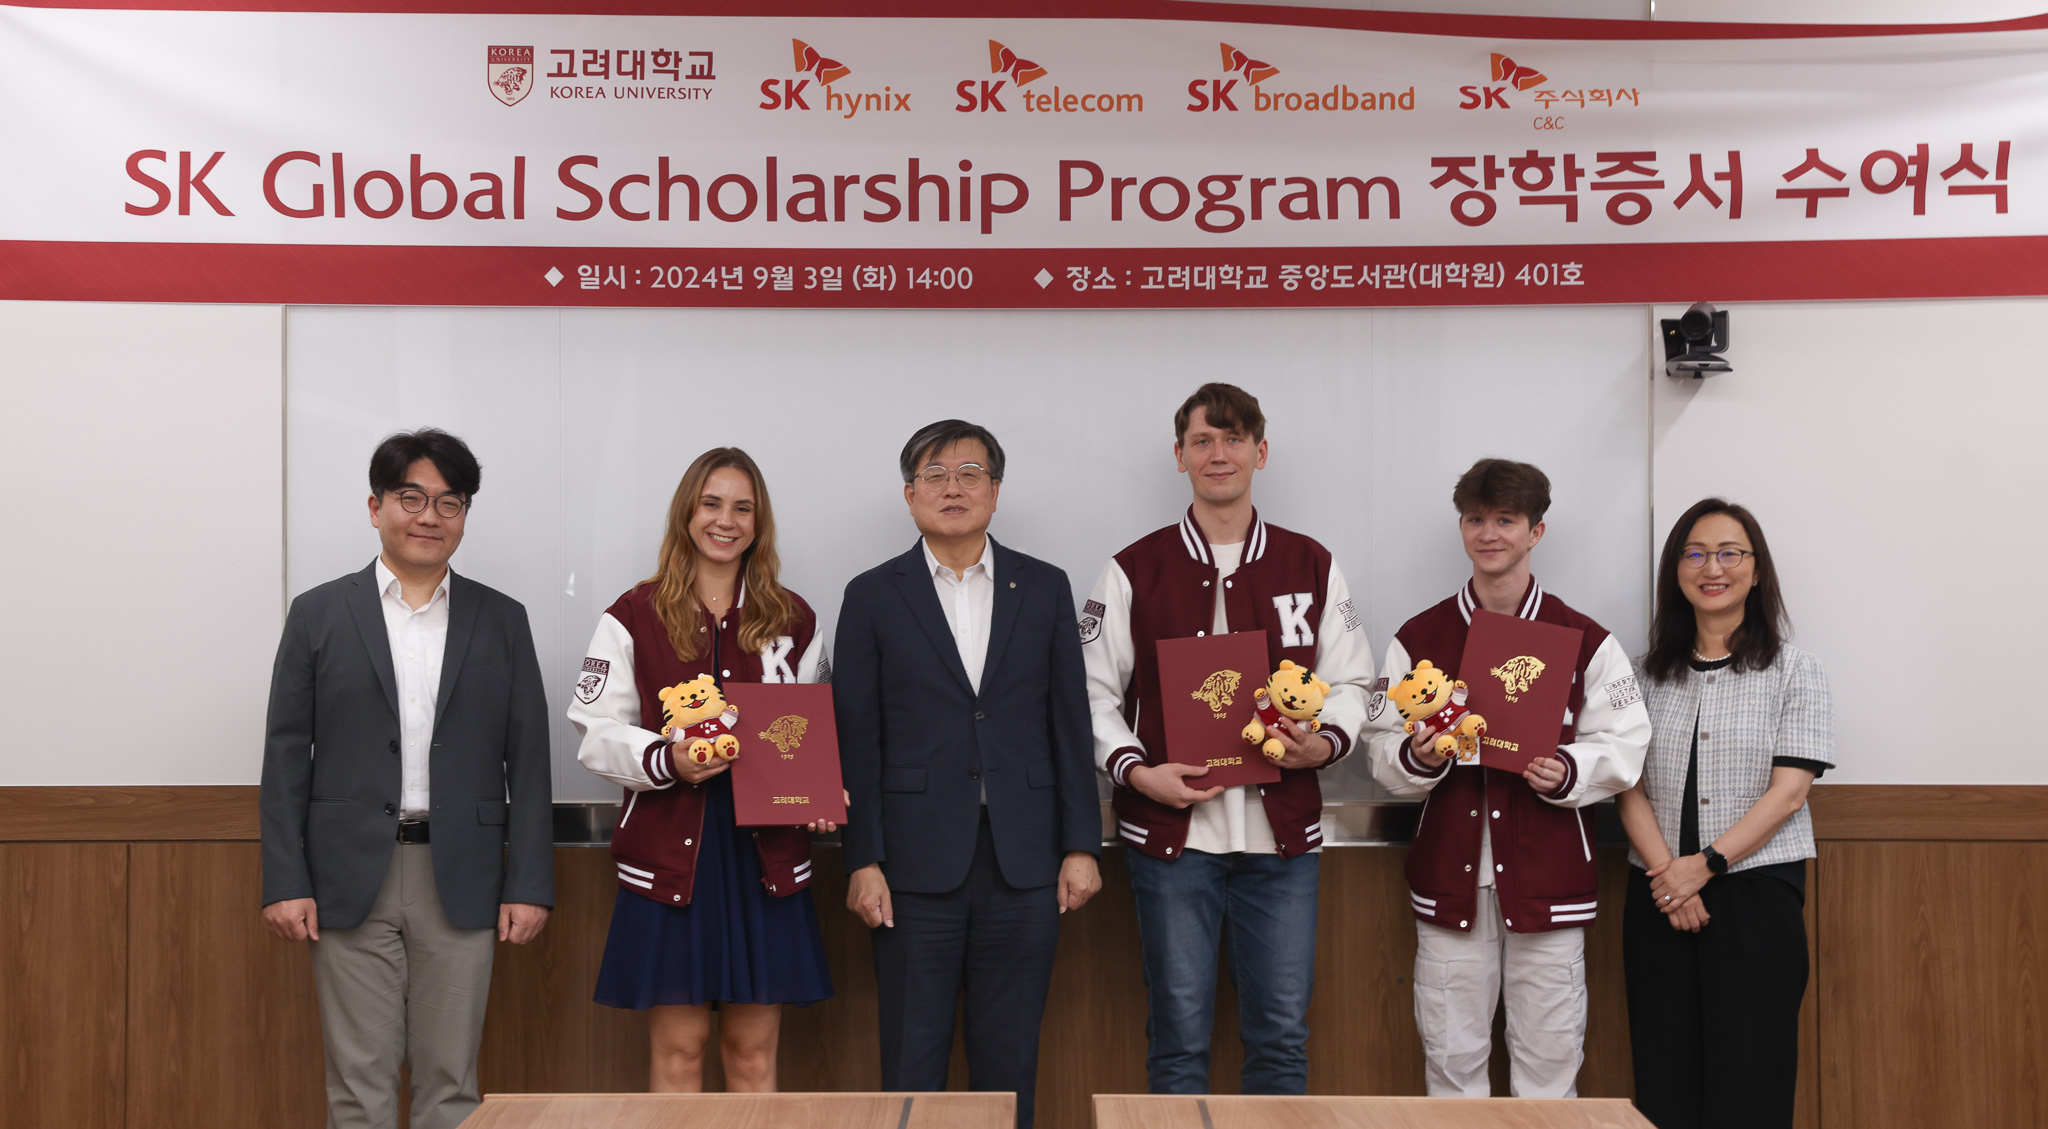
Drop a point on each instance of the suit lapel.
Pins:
(1008, 598)
(915, 583)
(365, 605)
(462, 616)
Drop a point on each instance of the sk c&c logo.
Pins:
(1506, 72)
(509, 71)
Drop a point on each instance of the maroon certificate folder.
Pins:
(788, 768)
(1520, 674)
(1205, 692)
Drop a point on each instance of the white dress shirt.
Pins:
(969, 599)
(418, 639)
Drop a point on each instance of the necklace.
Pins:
(1696, 654)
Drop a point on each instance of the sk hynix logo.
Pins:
(808, 61)
(510, 73)
(1506, 72)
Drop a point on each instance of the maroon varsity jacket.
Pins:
(1281, 587)
(658, 830)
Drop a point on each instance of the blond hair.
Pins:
(770, 608)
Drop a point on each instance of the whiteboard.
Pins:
(585, 419)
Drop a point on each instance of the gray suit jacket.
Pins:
(331, 766)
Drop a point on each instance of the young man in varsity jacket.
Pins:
(1242, 860)
(1501, 876)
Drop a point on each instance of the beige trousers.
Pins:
(404, 987)
(1458, 979)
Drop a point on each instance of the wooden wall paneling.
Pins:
(1934, 985)
(128, 814)
(1094, 1034)
(1977, 812)
(1609, 1069)
(1361, 1022)
(223, 1023)
(1806, 1107)
(542, 1031)
(63, 984)
(832, 1045)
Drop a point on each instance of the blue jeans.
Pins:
(1268, 905)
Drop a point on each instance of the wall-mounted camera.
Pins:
(1694, 342)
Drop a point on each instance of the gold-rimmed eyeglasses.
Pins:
(970, 476)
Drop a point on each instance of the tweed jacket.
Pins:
(1744, 721)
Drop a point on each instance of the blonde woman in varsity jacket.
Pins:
(708, 914)
(1502, 878)
(1210, 862)
(1713, 926)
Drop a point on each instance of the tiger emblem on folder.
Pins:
(786, 732)
(1518, 674)
(1218, 691)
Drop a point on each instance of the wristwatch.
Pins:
(1716, 861)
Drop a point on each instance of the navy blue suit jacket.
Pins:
(917, 743)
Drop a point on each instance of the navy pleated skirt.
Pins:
(733, 943)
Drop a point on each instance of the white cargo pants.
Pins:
(1459, 976)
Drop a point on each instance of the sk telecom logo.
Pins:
(987, 97)
(1003, 61)
(510, 73)
(1214, 93)
(1506, 72)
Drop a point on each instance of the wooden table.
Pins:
(1149, 1111)
(745, 1111)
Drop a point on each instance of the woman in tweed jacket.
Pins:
(1713, 933)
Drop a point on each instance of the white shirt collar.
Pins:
(388, 583)
(987, 563)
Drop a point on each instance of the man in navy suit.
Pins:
(964, 735)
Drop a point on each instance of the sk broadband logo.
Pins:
(981, 96)
(1505, 72)
(808, 60)
(1217, 93)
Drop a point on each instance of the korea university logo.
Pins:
(981, 96)
(510, 73)
(1224, 94)
(825, 72)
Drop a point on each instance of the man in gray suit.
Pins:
(407, 749)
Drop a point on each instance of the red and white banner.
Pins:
(1131, 153)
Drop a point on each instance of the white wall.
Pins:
(585, 419)
(142, 446)
(1892, 453)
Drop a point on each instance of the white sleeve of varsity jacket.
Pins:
(614, 745)
(816, 665)
(1110, 657)
(1344, 662)
(1393, 761)
(1613, 730)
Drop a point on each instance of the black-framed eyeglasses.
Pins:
(447, 505)
(1729, 558)
(970, 476)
